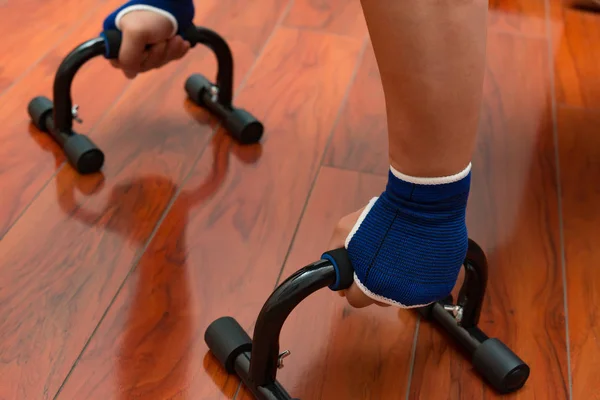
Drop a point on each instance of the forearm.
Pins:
(431, 56)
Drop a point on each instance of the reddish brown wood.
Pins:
(221, 246)
(360, 137)
(513, 214)
(580, 169)
(29, 158)
(61, 264)
(577, 60)
(32, 29)
(522, 17)
(151, 342)
(343, 17)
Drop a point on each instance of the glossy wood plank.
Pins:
(525, 17)
(31, 29)
(360, 139)
(226, 236)
(579, 146)
(577, 57)
(343, 17)
(513, 215)
(28, 158)
(338, 352)
(63, 262)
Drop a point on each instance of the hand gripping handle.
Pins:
(113, 39)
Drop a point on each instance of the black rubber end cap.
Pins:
(83, 154)
(226, 339)
(502, 368)
(195, 86)
(112, 41)
(243, 126)
(39, 109)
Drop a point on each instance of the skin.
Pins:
(431, 57)
(139, 29)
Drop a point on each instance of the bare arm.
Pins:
(407, 245)
(431, 56)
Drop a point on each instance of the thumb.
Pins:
(133, 46)
(341, 231)
(354, 295)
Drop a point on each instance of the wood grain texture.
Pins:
(338, 352)
(579, 145)
(513, 215)
(63, 262)
(577, 57)
(227, 259)
(28, 158)
(343, 17)
(31, 29)
(185, 227)
(521, 17)
(360, 140)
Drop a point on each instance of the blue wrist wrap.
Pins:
(181, 11)
(408, 246)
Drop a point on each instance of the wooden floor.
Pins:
(107, 283)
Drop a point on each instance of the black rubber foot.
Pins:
(226, 339)
(195, 86)
(243, 126)
(83, 154)
(502, 368)
(39, 108)
(240, 124)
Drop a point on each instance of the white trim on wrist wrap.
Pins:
(143, 7)
(432, 181)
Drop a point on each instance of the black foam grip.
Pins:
(191, 35)
(113, 37)
(343, 267)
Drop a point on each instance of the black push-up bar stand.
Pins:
(255, 361)
(57, 118)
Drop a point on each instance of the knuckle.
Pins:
(340, 232)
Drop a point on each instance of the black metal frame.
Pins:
(61, 126)
(257, 368)
(265, 343)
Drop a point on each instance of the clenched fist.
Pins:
(142, 28)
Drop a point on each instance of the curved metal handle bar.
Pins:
(321, 274)
(63, 104)
(473, 289)
(265, 342)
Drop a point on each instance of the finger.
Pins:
(128, 74)
(183, 49)
(131, 54)
(354, 295)
(172, 49)
(155, 58)
(356, 298)
(341, 231)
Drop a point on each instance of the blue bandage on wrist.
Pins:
(180, 12)
(409, 244)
